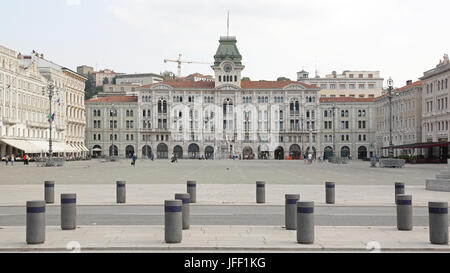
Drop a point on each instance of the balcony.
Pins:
(12, 121)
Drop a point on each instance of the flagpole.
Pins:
(228, 24)
(50, 141)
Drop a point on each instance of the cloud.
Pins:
(72, 3)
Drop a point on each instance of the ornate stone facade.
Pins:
(227, 117)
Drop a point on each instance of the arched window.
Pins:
(220, 78)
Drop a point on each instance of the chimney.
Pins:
(408, 82)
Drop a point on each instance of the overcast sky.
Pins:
(400, 38)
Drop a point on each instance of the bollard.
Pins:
(404, 212)
(330, 192)
(35, 222)
(305, 222)
(260, 192)
(438, 214)
(121, 192)
(185, 208)
(192, 190)
(50, 192)
(68, 211)
(173, 222)
(399, 189)
(290, 211)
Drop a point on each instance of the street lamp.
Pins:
(113, 113)
(390, 94)
(50, 90)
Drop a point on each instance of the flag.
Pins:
(53, 117)
(59, 102)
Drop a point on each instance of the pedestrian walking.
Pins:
(153, 156)
(133, 160)
(12, 160)
(7, 160)
(310, 158)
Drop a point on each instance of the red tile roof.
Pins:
(346, 99)
(244, 84)
(417, 83)
(118, 99)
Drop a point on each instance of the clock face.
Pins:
(227, 68)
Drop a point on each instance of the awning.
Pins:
(84, 148)
(57, 147)
(420, 145)
(41, 145)
(72, 148)
(97, 150)
(23, 145)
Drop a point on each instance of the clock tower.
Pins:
(228, 63)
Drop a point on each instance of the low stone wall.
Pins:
(441, 182)
(338, 160)
(392, 163)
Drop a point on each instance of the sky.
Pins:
(399, 38)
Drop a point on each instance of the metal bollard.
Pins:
(290, 211)
(185, 200)
(399, 189)
(35, 222)
(404, 212)
(121, 192)
(173, 221)
(260, 192)
(68, 211)
(438, 214)
(192, 190)
(50, 192)
(305, 222)
(330, 192)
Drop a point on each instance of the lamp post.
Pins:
(390, 94)
(113, 113)
(50, 90)
(334, 129)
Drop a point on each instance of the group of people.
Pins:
(12, 159)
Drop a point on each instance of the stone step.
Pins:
(438, 185)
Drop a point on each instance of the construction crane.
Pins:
(179, 62)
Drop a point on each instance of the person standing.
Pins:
(7, 160)
(12, 160)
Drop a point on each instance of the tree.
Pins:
(245, 79)
(105, 81)
(167, 75)
(283, 79)
(90, 89)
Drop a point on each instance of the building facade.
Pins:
(139, 79)
(24, 108)
(435, 106)
(347, 127)
(353, 84)
(85, 70)
(222, 118)
(112, 127)
(74, 85)
(406, 119)
(101, 75)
